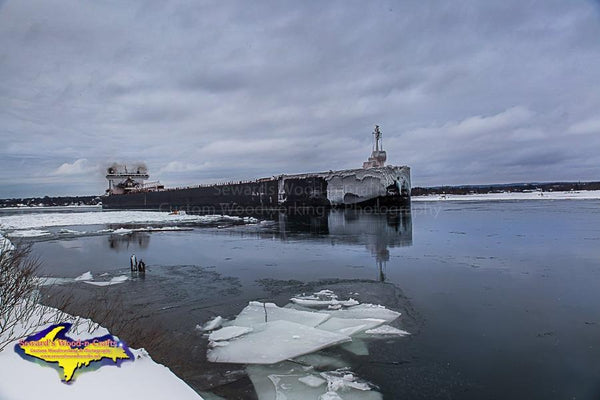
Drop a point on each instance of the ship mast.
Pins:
(378, 156)
(377, 134)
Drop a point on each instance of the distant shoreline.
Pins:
(50, 207)
(504, 196)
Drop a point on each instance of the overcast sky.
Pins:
(465, 92)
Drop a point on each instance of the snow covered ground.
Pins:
(42, 220)
(574, 195)
(5, 244)
(139, 379)
(39, 225)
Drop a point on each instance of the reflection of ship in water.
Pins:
(128, 241)
(378, 232)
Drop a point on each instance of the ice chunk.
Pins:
(312, 381)
(365, 311)
(295, 306)
(330, 396)
(257, 313)
(85, 277)
(323, 298)
(387, 330)
(47, 281)
(123, 231)
(281, 381)
(220, 343)
(229, 332)
(314, 302)
(66, 231)
(113, 281)
(322, 362)
(350, 326)
(289, 381)
(343, 379)
(357, 346)
(325, 292)
(210, 396)
(213, 324)
(273, 342)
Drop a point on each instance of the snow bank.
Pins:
(5, 244)
(141, 379)
(39, 220)
(575, 195)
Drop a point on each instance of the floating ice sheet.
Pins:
(47, 281)
(323, 298)
(343, 380)
(114, 281)
(350, 326)
(85, 277)
(365, 311)
(255, 313)
(312, 381)
(330, 396)
(323, 362)
(273, 342)
(229, 332)
(290, 381)
(316, 302)
(387, 330)
(357, 346)
(213, 324)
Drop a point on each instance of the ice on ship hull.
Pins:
(374, 185)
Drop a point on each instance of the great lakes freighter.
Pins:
(373, 185)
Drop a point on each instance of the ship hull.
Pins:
(360, 188)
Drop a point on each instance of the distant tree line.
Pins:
(48, 201)
(509, 187)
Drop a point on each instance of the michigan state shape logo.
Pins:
(52, 347)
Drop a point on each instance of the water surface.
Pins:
(501, 297)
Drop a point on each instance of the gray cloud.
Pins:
(465, 91)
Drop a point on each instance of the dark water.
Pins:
(502, 298)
